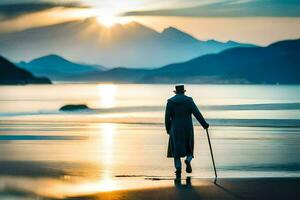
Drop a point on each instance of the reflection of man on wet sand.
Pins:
(179, 126)
(179, 185)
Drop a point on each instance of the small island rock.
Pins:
(74, 107)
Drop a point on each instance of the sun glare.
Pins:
(111, 20)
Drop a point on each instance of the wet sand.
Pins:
(253, 188)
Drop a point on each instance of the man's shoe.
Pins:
(188, 167)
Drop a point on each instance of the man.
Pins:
(179, 126)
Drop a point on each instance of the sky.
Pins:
(252, 21)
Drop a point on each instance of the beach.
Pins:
(230, 189)
(117, 148)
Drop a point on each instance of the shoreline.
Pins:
(224, 188)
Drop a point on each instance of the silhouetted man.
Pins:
(179, 126)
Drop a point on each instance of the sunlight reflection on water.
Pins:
(107, 95)
(107, 143)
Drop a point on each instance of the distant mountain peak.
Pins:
(50, 57)
(171, 29)
(220, 42)
(211, 40)
(134, 23)
(175, 33)
(229, 43)
(135, 30)
(225, 42)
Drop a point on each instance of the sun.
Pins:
(111, 20)
(107, 20)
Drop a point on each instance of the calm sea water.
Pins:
(120, 142)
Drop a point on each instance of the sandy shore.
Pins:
(254, 188)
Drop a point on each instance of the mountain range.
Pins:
(276, 63)
(12, 75)
(131, 45)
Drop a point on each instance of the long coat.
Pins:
(179, 125)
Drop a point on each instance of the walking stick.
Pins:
(212, 156)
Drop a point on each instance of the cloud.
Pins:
(231, 8)
(12, 10)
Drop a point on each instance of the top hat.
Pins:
(179, 89)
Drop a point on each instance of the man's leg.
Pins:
(188, 163)
(189, 158)
(177, 163)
